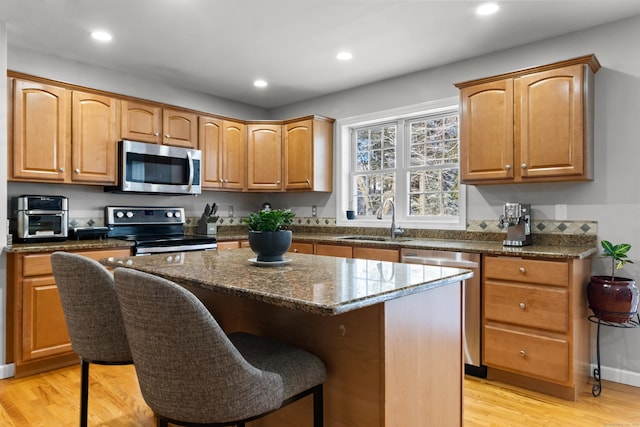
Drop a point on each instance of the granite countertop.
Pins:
(68, 245)
(579, 251)
(312, 283)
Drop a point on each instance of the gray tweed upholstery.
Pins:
(90, 308)
(189, 370)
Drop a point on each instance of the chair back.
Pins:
(187, 367)
(91, 308)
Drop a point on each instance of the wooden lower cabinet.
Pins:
(37, 337)
(334, 250)
(377, 254)
(233, 244)
(535, 326)
(301, 248)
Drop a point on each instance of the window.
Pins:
(410, 156)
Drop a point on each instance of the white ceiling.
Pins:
(221, 46)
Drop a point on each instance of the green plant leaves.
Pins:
(617, 253)
(269, 220)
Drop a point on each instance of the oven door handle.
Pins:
(190, 183)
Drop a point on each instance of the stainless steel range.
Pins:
(153, 229)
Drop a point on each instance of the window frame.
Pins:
(344, 160)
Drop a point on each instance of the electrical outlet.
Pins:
(314, 210)
(230, 211)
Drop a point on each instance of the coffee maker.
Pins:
(517, 219)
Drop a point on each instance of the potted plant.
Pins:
(613, 298)
(268, 236)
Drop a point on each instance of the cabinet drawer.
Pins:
(554, 273)
(530, 306)
(528, 354)
(40, 264)
(302, 248)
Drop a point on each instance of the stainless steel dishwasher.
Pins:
(471, 300)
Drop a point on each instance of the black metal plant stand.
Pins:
(632, 323)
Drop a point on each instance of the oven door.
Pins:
(174, 245)
(41, 226)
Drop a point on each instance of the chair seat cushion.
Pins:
(299, 369)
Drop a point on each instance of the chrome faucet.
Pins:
(394, 231)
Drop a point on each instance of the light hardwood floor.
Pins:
(52, 399)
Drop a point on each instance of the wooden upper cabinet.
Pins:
(210, 142)
(95, 120)
(41, 132)
(308, 154)
(532, 125)
(264, 157)
(180, 128)
(551, 119)
(141, 122)
(234, 149)
(487, 112)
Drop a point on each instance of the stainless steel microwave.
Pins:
(157, 169)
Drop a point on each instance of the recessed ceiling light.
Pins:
(344, 56)
(260, 83)
(487, 9)
(102, 36)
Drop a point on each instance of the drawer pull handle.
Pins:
(522, 270)
(523, 353)
(522, 305)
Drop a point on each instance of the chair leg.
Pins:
(318, 407)
(161, 422)
(84, 392)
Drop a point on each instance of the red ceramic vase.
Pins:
(613, 300)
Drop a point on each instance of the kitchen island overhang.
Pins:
(389, 333)
(316, 284)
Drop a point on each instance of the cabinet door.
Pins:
(301, 248)
(210, 142)
(264, 157)
(551, 123)
(141, 122)
(94, 138)
(234, 148)
(486, 135)
(378, 254)
(44, 328)
(334, 250)
(41, 132)
(298, 155)
(180, 128)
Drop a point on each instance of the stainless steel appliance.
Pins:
(153, 229)
(39, 218)
(157, 169)
(517, 218)
(471, 296)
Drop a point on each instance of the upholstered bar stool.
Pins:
(92, 313)
(192, 374)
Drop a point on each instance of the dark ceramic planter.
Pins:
(613, 300)
(270, 246)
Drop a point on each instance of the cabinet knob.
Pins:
(523, 166)
(522, 305)
(295, 250)
(523, 353)
(167, 136)
(308, 182)
(77, 170)
(61, 169)
(277, 182)
(522, 270)
(156, 133)
(507, 167)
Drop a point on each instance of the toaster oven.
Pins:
(39, 218)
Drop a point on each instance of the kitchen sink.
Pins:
(375, 238)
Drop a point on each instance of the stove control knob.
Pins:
(177, 214)
(169, 214)
(129, 214)
(119, 214)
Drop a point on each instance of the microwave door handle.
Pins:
(190, 184)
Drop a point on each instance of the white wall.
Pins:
(612, 199)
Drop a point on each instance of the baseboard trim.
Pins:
(618, 375)
(7, 371)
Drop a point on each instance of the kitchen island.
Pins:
(389, 333)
